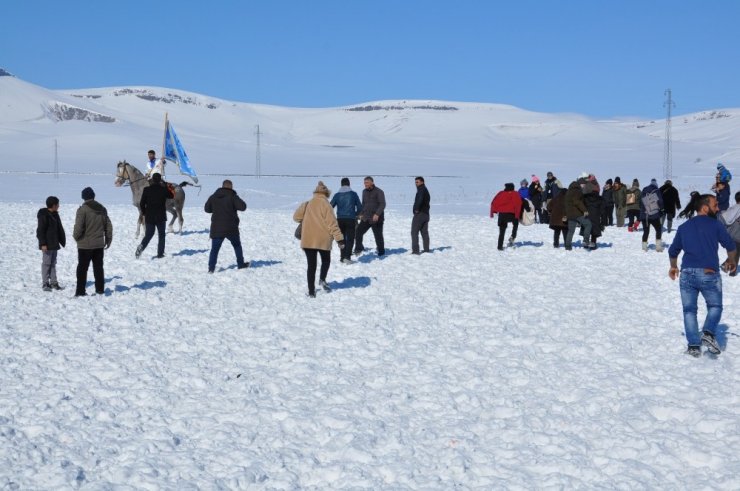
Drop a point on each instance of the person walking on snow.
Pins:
(372, 216)
(348, 206)
(671, 203)
(620, 201)
(651, 210)
(699, 239)
(318, 228)
(223, 206)
(420, 221)
(153, 206)
(577, 214)
(535, 196)
(93, 233)
(607, 195)
(508, 204)
(52, 238)
(731, 220)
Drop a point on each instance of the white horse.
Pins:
(138, 181)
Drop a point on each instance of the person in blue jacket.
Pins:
(699, 239)
(348, 206)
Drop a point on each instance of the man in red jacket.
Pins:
(508, 205)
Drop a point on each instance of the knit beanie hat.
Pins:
(535, 178)
(523, 182)
(635, 183)
(88, 193)
(609, 181)
(617, 180)
(157, 177)
(509, 186)
(321, 188)
(654, 182)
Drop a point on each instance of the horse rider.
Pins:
(154, 166)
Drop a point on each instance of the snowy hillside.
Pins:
(95, 128)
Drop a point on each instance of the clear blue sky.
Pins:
(600, 58)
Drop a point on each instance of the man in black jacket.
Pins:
(671, 203)
(371, 217)
(51, 237)
(223, 206)
(420, 222)
(153, 206)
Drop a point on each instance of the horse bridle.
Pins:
(127, 176)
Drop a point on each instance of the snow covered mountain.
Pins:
(95, 128)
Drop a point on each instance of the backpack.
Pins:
(527, 217)
(631, 198)
(651, 203)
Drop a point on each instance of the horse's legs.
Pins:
(138, 225)
(180, 219)
(170, 228)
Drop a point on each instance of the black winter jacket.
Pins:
(671, 200)
(373, 203)
(153, 203)
(50, 231)
(421, 202)
(223, 205)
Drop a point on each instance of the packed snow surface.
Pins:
(463, 368)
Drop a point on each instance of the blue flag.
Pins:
(174, 152)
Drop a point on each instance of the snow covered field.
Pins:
(465, 368)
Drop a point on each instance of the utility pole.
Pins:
(258, 169)
(668, 157)
(56, 159)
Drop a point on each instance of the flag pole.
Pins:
(164, 142)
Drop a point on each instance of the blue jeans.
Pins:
(695, 281)
(216, 246)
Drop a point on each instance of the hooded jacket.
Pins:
(319, 226)
(347, 202)
(650, 189)
(223, 206)
(93, 229)
(49, 230)
(507, 201)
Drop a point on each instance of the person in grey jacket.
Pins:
(93, 232)
(371, 217)
(420, 222)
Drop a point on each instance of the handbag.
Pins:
(299, 229)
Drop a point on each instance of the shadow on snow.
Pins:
(355, 282)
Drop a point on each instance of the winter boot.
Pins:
(694, 351)
(645, 246)
(46, 287)
(511, 242)
(659, 245)
(708, 340)
(138, 252)
(56, 286)
(323, 284)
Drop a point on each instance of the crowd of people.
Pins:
(583, 204)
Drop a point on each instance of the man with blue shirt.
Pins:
(699, 239)
(349, 207)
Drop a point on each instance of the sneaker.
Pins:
(323, 284)
(83, 294)
(708, 340)
(160, 256)
(56, 286)
(511, 242)
(46, 287)
(645, 246)
(244, 266)
(694, 351)
(416, 253)
(210, 271)
(138, 252)
(347, 261)
(311, 294)
(100, 293)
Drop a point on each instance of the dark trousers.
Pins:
(668, 216)
(420, 224)
(312, 263)
(216, 246)
(633, 216)
(84, 257)
(347, 226)
(377, 233)
(160, 236)
(609, 214)
(655, 223)
(503, 220)
(556, 236)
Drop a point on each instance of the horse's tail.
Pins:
(185, 183)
